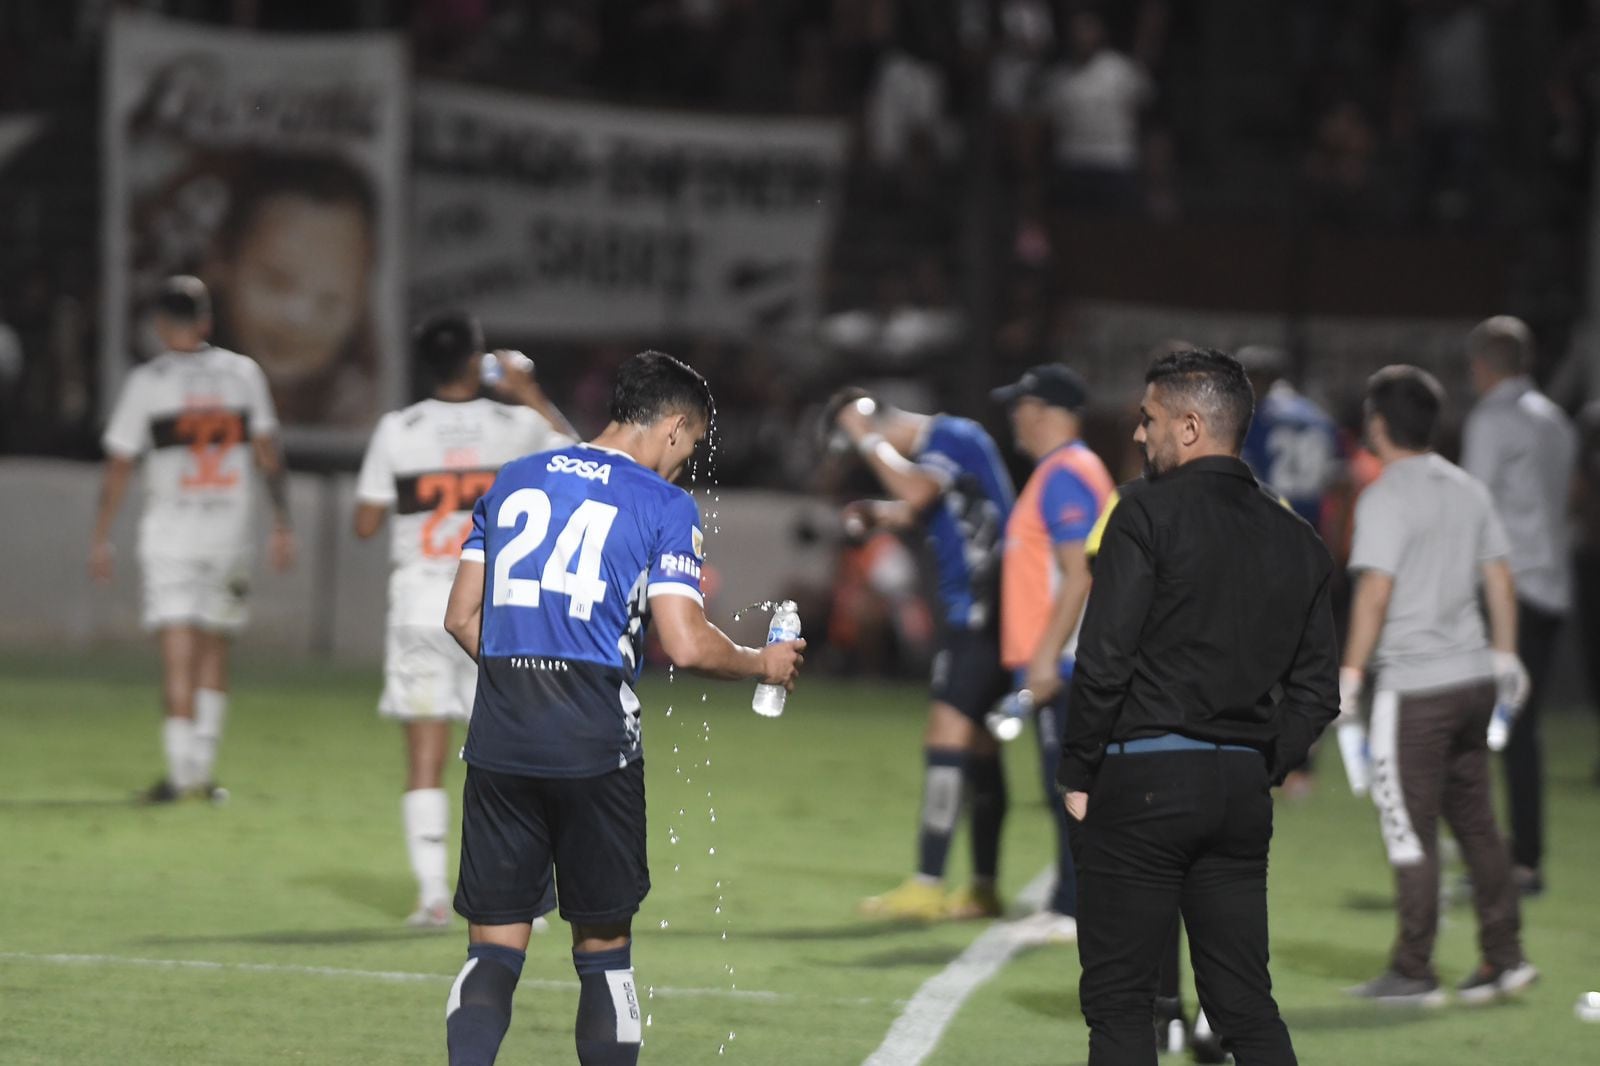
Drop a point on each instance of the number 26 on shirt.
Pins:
(581, 541)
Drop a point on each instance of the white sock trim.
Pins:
(177, 741)
(625, 1003)
(453, 1004)
(210, 712)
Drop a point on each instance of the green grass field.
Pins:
(268, 930)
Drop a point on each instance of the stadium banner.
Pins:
(549, 218)
(271, 166)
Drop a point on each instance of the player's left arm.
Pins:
(519, 383)
(275, 475)
(463, 614)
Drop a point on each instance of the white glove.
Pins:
(1352, 732)
(1350, 683)
(1511, 680)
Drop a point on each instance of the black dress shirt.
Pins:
(1209, 617)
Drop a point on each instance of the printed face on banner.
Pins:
(269, 168)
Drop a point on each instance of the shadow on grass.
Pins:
(303, 937)
(847, 931)
(86, 803)
(1369, 902)
(1339, 1016)
(1048, 1003)
(393, 896)
(910, 956)
(1318, 958)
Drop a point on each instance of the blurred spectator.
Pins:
(1026, 36)
(905, 104)
(1448, 92)
(1340, 167)
(1093, 103)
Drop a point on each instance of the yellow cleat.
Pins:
(915, 900)
(973, 903)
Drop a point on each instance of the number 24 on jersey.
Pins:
(572, 567)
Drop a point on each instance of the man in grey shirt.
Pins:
(1523, 448)
(1426, 538)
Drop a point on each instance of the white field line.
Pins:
(405, 976)
(916, 1032)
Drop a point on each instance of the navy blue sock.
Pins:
(987, 779)
(609, 1027)
(1065, 898)
(941, 808)
(479, 1011)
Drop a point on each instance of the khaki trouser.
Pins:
(1430, 758)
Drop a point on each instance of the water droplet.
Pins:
(664, 923)
(713, 816)
(674, 749)
(711, 851)
(676, 867)
(702, 697)
(716, 910)
(724, 934)
(680, 812)
(649, 1020)
(650, 993)
(719, 884)
(730, 1034)
(722, 1049)
(672, 836)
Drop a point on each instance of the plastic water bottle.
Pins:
(1500, 724)
(1010, 715)
(785, 626)
(1357, 758)
(492, 371)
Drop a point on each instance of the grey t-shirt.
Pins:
(1427, 524)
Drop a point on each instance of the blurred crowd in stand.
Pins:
(979, 130)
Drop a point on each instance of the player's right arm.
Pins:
(463, 615)
(692, 642)
(375, 488)
(127, 437)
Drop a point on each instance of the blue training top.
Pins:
(965, 530)
(1293, 448)
(575, 544)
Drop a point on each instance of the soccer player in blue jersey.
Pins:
(945, 477)
(1293, 446)
(572, 553)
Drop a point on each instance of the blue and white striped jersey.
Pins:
(575, 544)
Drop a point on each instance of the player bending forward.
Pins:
(429, 463)
(202, 419)
(572, 554)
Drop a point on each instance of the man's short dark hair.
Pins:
(183, 298)
(1210, 383)
(653, 385)
(1409, 399)
(446, 342)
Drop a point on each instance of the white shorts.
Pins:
(426, 675)
(210, 592)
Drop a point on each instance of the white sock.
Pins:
(426, 812)
(210, 711)
(177, 738)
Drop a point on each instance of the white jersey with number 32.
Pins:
(192, 415)
(430, 462)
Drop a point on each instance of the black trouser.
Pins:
(1538, 632)
(1171, 832)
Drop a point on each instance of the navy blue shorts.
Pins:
(967, 673)
(515, 829)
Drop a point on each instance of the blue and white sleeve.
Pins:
(679, 552)
(472, 547)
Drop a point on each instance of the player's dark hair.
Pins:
(183, 298)
(1409, 399)
(446, 344)
(322, 179)
(652, 385)
(1210, 383)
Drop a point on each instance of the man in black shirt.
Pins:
(1207, 666)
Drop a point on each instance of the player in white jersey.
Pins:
(202, 421)
(429, 463)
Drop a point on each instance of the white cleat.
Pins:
(430, 916)
(1045, 927)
